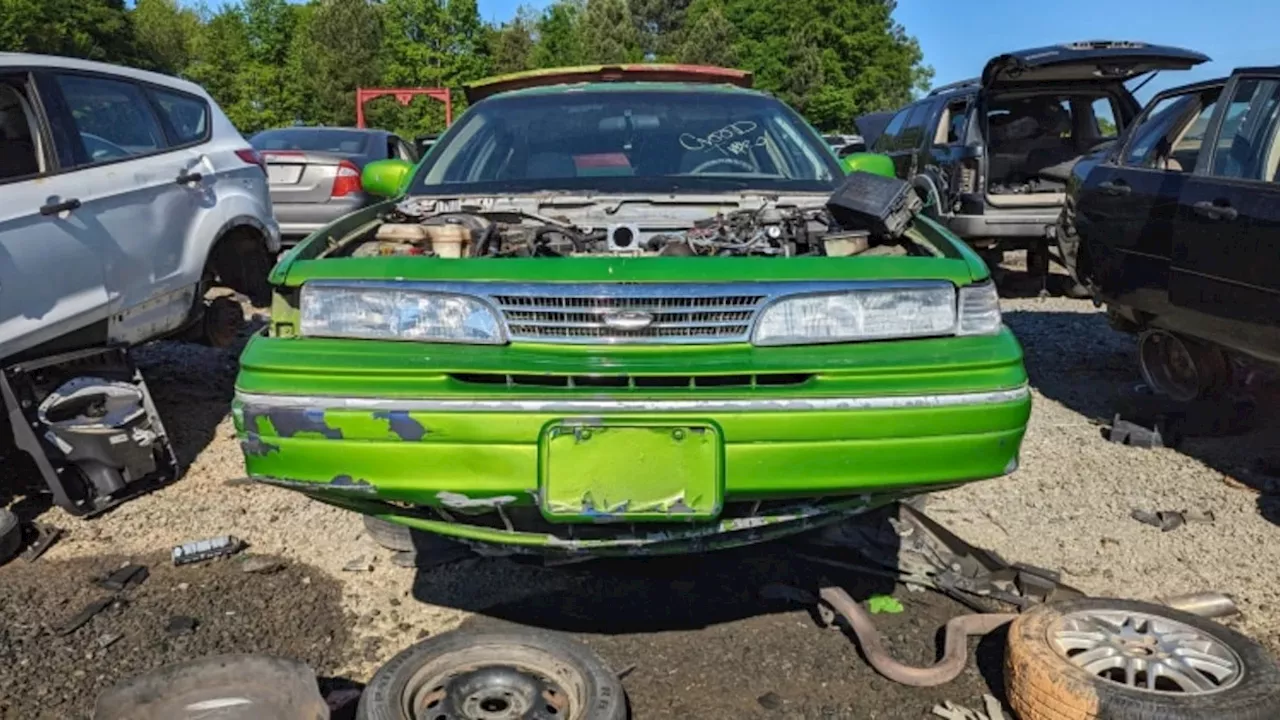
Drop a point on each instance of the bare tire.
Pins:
(10, 535)
(389, 535)
(1097, 658)
(531, 675)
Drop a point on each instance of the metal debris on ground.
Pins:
(201, 550)
(769, 701)
(46, 536)
(992, 710)
(106, 641)
(85, 615)
(1168, 520)
(903, 543)
(124, 578)
(359, 564)
(181, 625)
(261, 565)
(1123, 432)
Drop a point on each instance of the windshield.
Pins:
(334, 141)
(628, 141)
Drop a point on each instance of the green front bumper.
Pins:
(377, 426)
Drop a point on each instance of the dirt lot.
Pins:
(702, 641)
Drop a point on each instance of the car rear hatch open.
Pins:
(1041, 107)
(297, 176)
(1103, 60)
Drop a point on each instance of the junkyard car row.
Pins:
(633, 309)
(640, 309)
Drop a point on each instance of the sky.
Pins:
(1234, 33)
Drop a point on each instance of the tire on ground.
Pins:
(594, 689)
(1042, 685)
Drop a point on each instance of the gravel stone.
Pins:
(1067, 507)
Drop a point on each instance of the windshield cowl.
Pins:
(665, 212)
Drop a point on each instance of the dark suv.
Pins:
(1177, 229)
(991, 156)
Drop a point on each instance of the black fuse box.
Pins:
(865, 201)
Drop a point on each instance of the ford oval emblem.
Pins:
(630, 320)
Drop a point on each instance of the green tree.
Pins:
(511, 46)
(607, 33)
(337, 49)
(165, 33)
(832, 59)
(557, 35)
(218, 51)
(428, 43)
(709, 38)
(661, 25)
(90, 29)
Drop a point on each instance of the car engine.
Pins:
(866, 215)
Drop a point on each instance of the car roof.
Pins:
(632, 76)
(15, 60)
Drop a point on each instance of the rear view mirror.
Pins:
(873, 163)
(386, 178)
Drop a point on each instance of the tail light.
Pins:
(968, 180)
(347, 181)
(251, 157)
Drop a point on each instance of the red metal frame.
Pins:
(404, 96)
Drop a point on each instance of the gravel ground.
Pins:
(682, 623)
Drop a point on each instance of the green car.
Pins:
(612, 312)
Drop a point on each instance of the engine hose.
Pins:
(579, 243)
(955, 646)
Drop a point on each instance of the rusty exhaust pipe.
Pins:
(959, 629)
(1205, 604)
(955, 647)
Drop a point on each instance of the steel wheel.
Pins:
(494, 692)
(518, 674)
(1145, 652)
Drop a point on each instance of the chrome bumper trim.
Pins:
(888, 402)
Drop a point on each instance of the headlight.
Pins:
(872, 314)
(979, 310)
(397, 314)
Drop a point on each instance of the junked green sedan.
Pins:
(616, 310)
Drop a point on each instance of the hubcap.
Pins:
(496, 692)
(1145, 652)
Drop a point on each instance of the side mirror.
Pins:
(873, 163)
(386, 178)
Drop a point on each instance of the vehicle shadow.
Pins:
(644, 595)
(1076, 359)
(726, 633)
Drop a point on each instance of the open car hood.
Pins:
(1102, 60)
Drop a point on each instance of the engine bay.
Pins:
(867, 215)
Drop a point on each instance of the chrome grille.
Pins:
(675, 313)
(700, 318)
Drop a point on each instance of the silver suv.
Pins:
(124, 195)
(125, 198)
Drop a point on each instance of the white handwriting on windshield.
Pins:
(733, 138)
